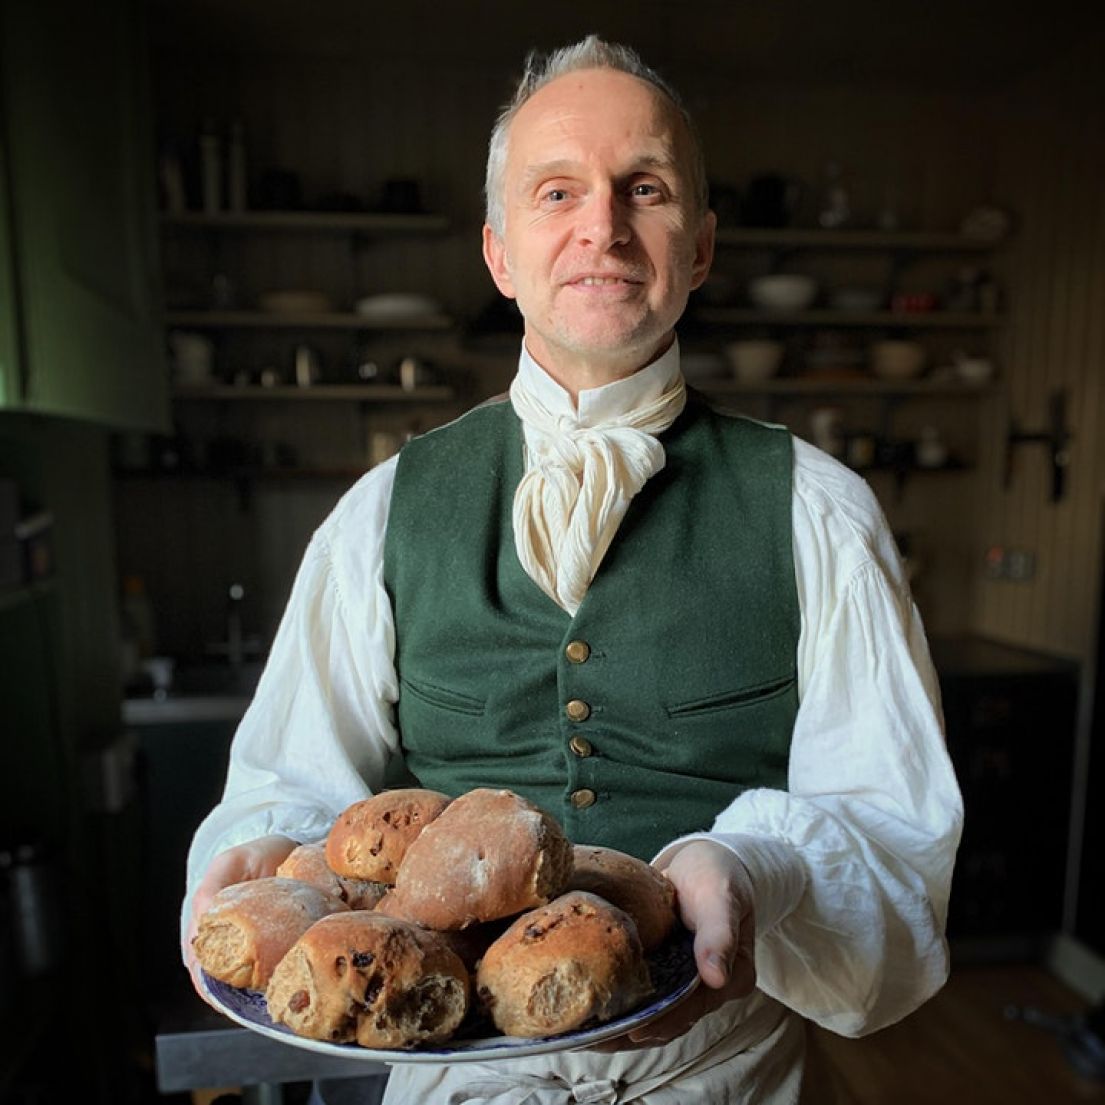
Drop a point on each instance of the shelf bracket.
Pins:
(1057, 437)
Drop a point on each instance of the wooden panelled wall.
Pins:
(1051, 172)
(346, 125)
(347, 116)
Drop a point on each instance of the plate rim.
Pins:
(480, 1049)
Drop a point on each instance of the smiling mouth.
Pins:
(602, 281)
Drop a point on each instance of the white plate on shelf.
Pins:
(673, 972)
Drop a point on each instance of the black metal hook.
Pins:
(1057, 438)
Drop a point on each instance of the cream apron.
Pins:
(748, 1052)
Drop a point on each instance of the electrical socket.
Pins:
(1014, 565)
(1020, 565)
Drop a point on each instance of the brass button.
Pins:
(581, 746)
(577, 651)
(581, 799)
(578, 710)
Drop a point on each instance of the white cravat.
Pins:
(584, 466)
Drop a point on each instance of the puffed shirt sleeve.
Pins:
(851, 865)
(320, 729)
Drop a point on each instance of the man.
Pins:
(687, 635)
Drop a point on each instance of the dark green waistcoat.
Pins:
(674, 686)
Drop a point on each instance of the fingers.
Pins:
(715, 900)
(714, 942)
(714, 896)
(715, 903)
(256, 859)
(190, 960)
(212, 883)
(688, 1013)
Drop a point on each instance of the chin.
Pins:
(611, 339)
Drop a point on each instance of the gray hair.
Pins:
(589, 53)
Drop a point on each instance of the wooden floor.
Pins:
(960, 1049)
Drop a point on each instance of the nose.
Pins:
(604, 221)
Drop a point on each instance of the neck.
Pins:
(581, 373)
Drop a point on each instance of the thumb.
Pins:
(714, 941)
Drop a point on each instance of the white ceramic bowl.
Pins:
(754, 361)
(897, 360)
(783, 291)
(397, 305)
(974, 370)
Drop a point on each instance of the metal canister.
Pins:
(32, 897)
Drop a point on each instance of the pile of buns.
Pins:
(419, 914)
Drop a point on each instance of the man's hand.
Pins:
(714, 897)
(257, 859)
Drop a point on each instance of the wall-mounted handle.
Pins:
(1057, 438)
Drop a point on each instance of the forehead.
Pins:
(594, 114)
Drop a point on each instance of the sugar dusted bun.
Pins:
(630, 884)
(491, 854)
(576, 960)
(307, 863)
(365, 978)
(370, 838)
(250, 926)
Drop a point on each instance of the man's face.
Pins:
(601, 245)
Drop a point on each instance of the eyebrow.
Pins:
(566, 167)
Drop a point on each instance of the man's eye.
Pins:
(645, 191)
(556, 195)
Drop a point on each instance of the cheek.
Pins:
(671, 246)
(684, 253)
(530, 257)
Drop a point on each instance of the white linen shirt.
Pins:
(851, 865)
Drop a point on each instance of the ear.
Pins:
(703, 250)
(494, 256)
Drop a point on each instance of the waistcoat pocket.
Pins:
(732, 699)
(444, 698)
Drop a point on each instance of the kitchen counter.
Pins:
(198, 1048)
(1010, 719)
(970, 656)
(199, 693)
(208, 1058)
(182, 709)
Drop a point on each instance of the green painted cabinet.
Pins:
(10, 360)
(79, 316)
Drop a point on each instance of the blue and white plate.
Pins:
(673, 974)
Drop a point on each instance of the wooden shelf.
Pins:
(353, 222)
(811, 385)
(951, 467)
(246, 473)
(927, 320)
(330, 320)
(906, 240)
(339, 393)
